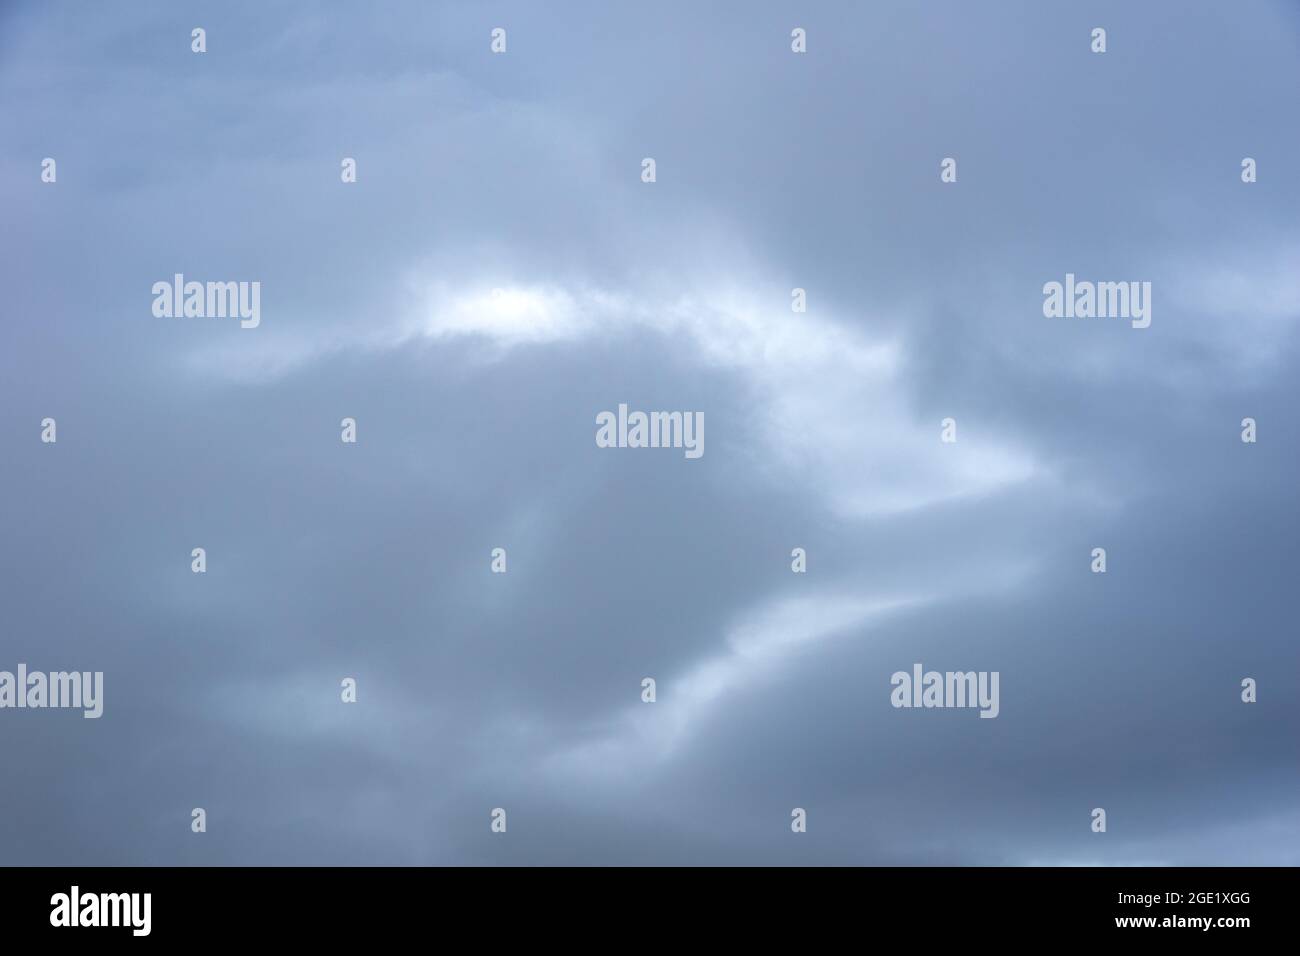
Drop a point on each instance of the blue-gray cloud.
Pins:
(477, 412)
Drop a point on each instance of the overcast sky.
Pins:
(476, 422)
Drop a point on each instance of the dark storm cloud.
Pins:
(476, 417)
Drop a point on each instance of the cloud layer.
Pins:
(497, 276)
